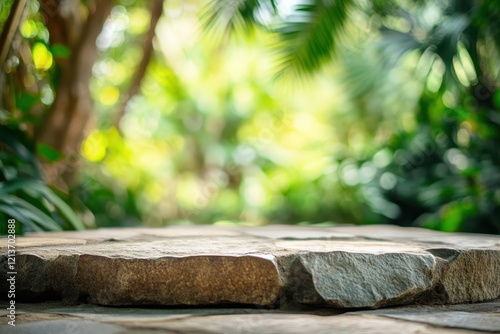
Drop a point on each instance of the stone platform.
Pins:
(283, 274)
(55, 318)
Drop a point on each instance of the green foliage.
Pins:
(402, 129)
(23, 194)
(216, 146)
(307, 36)
(227, 15)
(48, 153)
(28, 80)
(444, 170)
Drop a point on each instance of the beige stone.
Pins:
(472, 276)
(339, 267)
(194, 280)
(295, 324)
(29, 242)
(483, 316)
(56, 318)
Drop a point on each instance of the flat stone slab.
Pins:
(275, 266)
(57, 318)
(483, 316)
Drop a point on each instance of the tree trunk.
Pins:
(147, 46)
(9, 30)
(63, 127)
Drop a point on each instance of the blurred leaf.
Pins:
(48, 152)
(11, 212)
(63, 208)
(27, 101)
(443, 41)
(309, 35)
(59, 51)
(28, 212)
(42, 190)
(9, 172)
(228, 15)
(18, 143)
(395, 43)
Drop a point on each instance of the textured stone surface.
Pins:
(73, 326)
(198, 280)
(484, 316)
(336, 267)
(198, 271)
(471, 275)
(453, 319)
(360, 278)
(29, 242)
(297, 324)
(56, 318)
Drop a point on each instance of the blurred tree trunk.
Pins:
(7, 36)
(63, 128)
(77, 27)
(10, 28)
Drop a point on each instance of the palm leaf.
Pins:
(28, 212)
(395, 44)
(63, 208)
(362, 73)
(443, 41)
(309, 36)
(18, 216)
(35, 187)
(227, 16)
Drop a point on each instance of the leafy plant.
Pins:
(27, 85)
(307, 36)
(24, 195)
(442, 168)
(444, 171)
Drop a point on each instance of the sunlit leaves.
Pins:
(34, 29)
(42, 58)
(307, 34)
(29, 29)
(208, 139)
(138, 21)
(95, 146)
(108, 96)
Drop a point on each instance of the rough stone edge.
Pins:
(454, 267)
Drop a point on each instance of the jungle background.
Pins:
(318, 112)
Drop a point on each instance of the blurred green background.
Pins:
(253, 112)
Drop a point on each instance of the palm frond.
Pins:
(443, 41)
(39, 193)
(395, 44)
(309, 36)
(226, 16)
(25, 212)
(362, 73)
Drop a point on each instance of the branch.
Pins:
(10, 27)
(147, 46)
(6, 37)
